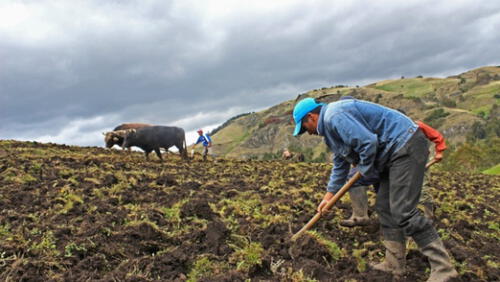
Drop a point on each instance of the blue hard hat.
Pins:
(300, 111)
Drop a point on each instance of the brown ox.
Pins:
(116, 136)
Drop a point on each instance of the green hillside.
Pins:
(464, 107)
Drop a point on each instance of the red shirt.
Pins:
(433, 135)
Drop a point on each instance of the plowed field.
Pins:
(74, 214)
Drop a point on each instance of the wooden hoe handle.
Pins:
(429, 164)
(330, 203)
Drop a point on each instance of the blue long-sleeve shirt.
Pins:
(205, 139)
(362, 133)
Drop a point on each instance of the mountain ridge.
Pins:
(462, 107)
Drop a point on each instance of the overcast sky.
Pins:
(70, 70)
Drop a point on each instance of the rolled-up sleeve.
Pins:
(361, 140)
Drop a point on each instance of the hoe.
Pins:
(335, 198)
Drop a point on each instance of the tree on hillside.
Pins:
(433, 118)
(473, 156)
(466, 158)
(478, 132)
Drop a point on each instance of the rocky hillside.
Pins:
(462, 107)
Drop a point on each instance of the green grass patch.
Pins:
(4, 230)
(483, 111)
(204, 268)
(72, 249)
(246, 254)
(47, 245)
(409, 87)
(493, 170)
(238, 141)
(173, 214)
(485, 91)
(334, 249)
(70, 200)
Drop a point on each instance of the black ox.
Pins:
(152, 138)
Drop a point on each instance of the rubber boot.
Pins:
(441, 267)
(359, 200)
(395, 259)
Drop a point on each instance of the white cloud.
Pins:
(83, 132)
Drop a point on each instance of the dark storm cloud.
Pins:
(66, 76)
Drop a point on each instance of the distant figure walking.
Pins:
(206, 141)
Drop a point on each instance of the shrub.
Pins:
(478, 131)
(434, 116)
(447, 102)
(493, 127)
(473, 156)
(271, 156)
(415, 98)
(467, 157)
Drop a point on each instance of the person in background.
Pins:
(383, 143)
(295, 156)
(206, 142)
(286, 154)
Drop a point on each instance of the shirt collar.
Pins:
(320, 127)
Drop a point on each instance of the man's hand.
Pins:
(325, 200)
(322, 205)
(438, 156)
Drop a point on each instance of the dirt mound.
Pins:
(197, 208)
(166, 180)
(307, 247)
(141, 239)
(216, 235)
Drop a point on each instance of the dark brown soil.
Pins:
(78, 214)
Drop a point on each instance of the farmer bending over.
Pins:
(359, 198)
(386, 144)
